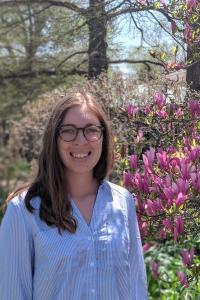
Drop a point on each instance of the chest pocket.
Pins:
(55, 253)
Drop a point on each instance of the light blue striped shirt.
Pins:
(100, 261)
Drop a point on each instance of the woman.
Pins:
(71, 234)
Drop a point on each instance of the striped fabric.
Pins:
(101, 261)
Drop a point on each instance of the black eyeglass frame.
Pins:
(77, 131)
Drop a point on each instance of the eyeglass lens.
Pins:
(69, 133)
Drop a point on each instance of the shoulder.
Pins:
(17, 218)
(120, 195)
(119, 190)
(18, 201)
(16, 210)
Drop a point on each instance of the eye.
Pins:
(93, 129)
(68, 130)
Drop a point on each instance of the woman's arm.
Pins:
(138, 270)
(16, 248)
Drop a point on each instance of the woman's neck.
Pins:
(82, 185)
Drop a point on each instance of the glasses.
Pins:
(92, 133)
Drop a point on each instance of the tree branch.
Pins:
(70, 56)
(114, 8)
(68, 5)
(16, 23)
(130, 61)
(138, 9)
(33, 74)
(160, 24)
(140, 29)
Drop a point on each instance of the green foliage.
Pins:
(35, 45)
(167, 286)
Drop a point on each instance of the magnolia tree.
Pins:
(165, 179)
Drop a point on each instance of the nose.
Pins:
(80, 138)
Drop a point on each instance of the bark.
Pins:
(193, 71)
(97, 24)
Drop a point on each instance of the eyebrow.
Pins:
(86, 125)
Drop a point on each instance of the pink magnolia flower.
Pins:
(187, 142)
(162, 185)
(116, 157)
(155, 269)
(139, 137)
(173, 27)
(168, 195)
(139, 203)
(131, 110)
(155, 188)
(143, 226)
(178, 227)
(194, 107)
(133, 161)
(195, 177)
(168, 180)
(179, 113)
(161, 113)
(158, 204)
(175, 163)
(167, 224)
(146, 247)
(163, 159)
(148, 159)
(159, 100)
(181, 198)
(182, 278)
(142, 2)
(150, 207)
(193, 154)
(127, 179)
(171, 150)
(174, 66)
(185, 168)
(191, 4)
(188, 33)
(141, 183)
(187, 256)
(162, 234)
(164, 4)
(147, 109)
(180, 186)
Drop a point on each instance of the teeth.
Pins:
(79, 155)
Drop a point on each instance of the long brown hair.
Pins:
(48, 184)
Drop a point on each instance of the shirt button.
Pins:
(93, 291)
(89, 238)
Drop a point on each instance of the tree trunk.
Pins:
(97, 50)
(193, 72)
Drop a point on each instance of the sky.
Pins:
(129, 39)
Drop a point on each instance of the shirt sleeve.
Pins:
(15, 256)
(137, 265)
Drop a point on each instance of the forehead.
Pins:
(80, 116)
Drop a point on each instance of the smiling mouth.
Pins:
(80, 155)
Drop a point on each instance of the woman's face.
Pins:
(79, 156)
